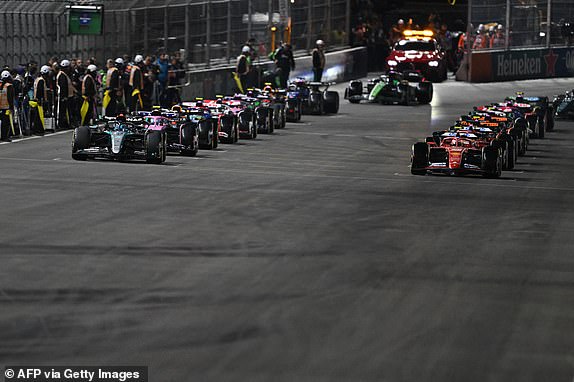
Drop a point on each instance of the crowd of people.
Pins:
(249, 75)
(66, 93)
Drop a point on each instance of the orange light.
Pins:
(416, 33)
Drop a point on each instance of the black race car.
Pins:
(394, 87)
(563, 105)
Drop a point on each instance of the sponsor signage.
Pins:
(523, 64)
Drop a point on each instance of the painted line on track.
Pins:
(18, 140)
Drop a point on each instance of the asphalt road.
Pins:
(308, 255)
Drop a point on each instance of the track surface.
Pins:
(308, 255)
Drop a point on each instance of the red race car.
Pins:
(419, 51)
(458, 153)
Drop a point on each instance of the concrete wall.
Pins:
(340, 66)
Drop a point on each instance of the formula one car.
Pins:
(269, 111)
(207, 126)
(563, 105)
(294, 104)
(121, 140)
(513, 118)
(182, 136)
(541, 107)
(457, 153)
(393, 87)
(316, 98)
(419, 51)
(245, 116)
(488, 132)
(228, 129)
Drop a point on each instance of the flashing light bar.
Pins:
(416, 33)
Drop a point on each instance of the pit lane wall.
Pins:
(491, 66)
(340, 66)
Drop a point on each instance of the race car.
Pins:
(563, 105)
(245, 116)
(458, 153)
(228, 129)
(316, 98)
(120, 140)
(539, 106)
(418, 50)
(486, 132)
(182, 136)
(207, 126)
(393, 87)
(294, 104)
(514, 119)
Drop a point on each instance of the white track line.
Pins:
(17, 140)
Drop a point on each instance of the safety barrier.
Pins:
(340, 66)
(520, 64)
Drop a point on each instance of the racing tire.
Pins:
(271, 123)
(542, 121)
(187, 135)
(331, 102)
(419, 158)
(190, 140)
(215, 141)
(81, 141)
(550, 118)
(503, 148)
(511, 152)
(491, 162)
(424, 92)
(406, 100)
(154, 147)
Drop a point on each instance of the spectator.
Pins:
(498, 40)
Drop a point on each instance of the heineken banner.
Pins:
(522, 64)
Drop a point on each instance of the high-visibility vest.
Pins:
(87, 78)
(139, 85)
(36, 84)
(109, 75)
(4, 104)
(70, 85)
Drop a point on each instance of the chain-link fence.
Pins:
(506, 24)
(206, 32)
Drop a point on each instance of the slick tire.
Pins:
(154, 147)
(81, 141)
(331, 102)
(424, 92)
(491, 162)
(419, 158)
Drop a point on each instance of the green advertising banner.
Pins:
(87, 20)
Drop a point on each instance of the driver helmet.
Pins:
(121, 118)
(393, 75)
